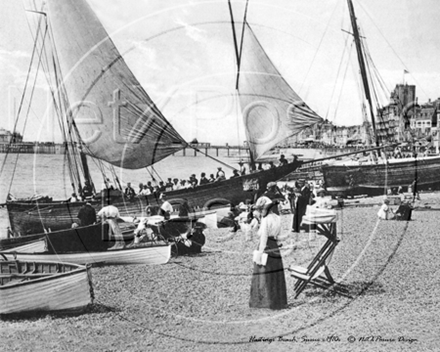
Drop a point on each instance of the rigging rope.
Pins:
(342, 85)
(149, 172)
(27, 112)
(391, 47)
(318, 48)
(34, 50)
(157, 174)
(338, 73)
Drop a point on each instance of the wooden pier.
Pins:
(32, 148)
(204, 148)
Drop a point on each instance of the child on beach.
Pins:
(385, 212)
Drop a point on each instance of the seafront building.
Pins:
(7, 137)
(403, 119)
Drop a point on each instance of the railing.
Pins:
(206, 147)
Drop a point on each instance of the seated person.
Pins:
(166, 208)
(233, 213)
(203, 179)
(220, 176)
(283, 161)
(73, 198)
(169, 185)
(404, 212)
(86, 216)
(242, 168)
(110, 214)
(129, 191)
(235, 174)
(162, 187)
(385, 212)
(176, 184)
(145, 191)
(87, 190)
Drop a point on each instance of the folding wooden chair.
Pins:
(318, 272)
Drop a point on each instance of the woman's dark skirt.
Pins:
(268, 288)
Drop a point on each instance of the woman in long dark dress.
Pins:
(268, 287)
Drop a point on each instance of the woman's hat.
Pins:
(263, 204)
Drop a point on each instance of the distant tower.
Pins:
(404, 97)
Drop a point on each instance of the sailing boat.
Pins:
(348, 177)
(128, 130)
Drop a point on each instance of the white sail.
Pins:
(272, 111)
(116, 118)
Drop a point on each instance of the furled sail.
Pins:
(117, 120)
(272, 111)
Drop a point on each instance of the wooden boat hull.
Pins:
(91, 245)
(375, 179)
(151, 255)
(28, 247)
(14, 242)
(28, 218)
(43, 286)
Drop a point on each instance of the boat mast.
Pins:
(234, 36)
(73, 150)
(362, 66)
(238, 52)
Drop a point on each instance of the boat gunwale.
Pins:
(79, 269)
(169, 194)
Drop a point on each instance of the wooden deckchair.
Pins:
(318, 273)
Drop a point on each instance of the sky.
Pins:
(182, 53)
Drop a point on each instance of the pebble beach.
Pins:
(200, 302)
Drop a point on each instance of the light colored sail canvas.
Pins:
(116, 118)
(272, 111)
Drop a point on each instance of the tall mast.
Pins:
(362, 65)
(238, 52)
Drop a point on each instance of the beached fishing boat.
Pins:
(351, 178)
(34, 217)
(92, 245)
(372, 177)
(32, 286)
(132, 133)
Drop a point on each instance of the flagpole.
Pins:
(404, 73)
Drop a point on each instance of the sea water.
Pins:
(25, 175)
